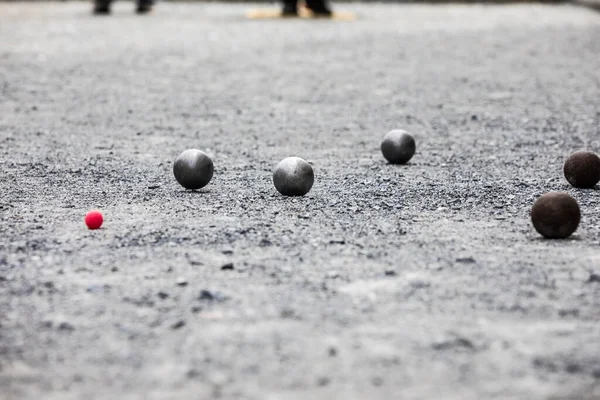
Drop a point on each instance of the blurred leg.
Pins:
(101, 7)
(144, 6)
(290, 8)
(319, 7)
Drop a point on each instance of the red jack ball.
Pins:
(94, 219)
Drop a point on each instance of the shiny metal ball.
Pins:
(582, 169)
(398, 146)
(293, 177)
(555, 215)
(193, 169)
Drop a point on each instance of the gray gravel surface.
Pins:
(423, 281)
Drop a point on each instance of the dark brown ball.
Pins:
(398, 146)
(555, 215)
(582, 169)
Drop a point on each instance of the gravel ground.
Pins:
(424, 281)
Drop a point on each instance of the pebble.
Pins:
(178, 324)
(594, 278)
(265, 243)
(323, 381)
(228, 266)
(457, 342)
(332, 274)
(65, 326)
(227, 251)
(181, 282)
(417, 280)
(210, 296)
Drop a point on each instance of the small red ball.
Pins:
(94, 219)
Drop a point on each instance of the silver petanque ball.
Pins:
(193, 169)
(293, 177)
(398, 146)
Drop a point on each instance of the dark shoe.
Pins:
(290, 9)
(319, 8)
(101, 8)
(144, 7)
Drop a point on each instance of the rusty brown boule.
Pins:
(582, 169)
(555, 215)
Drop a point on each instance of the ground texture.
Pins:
(423, 281)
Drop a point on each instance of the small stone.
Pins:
(196, 309)
(582, 169)
(337, 241)
(573, 368)
(465, 260)
(417, 280)
(390, 272)
(456, 342)
(97, 288)
(377, 381)
(163, 295)
(206, 295)
(594, 278)
(398, 146)
(288, 313)
(227, 251)
(193, 373)
(178, 324)
(323, 381)
(227, 267)
(569, 313)
(181, 282)
(332, 274)
(114, 269)
(265, 243)
(555, 215)
(65, 326)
